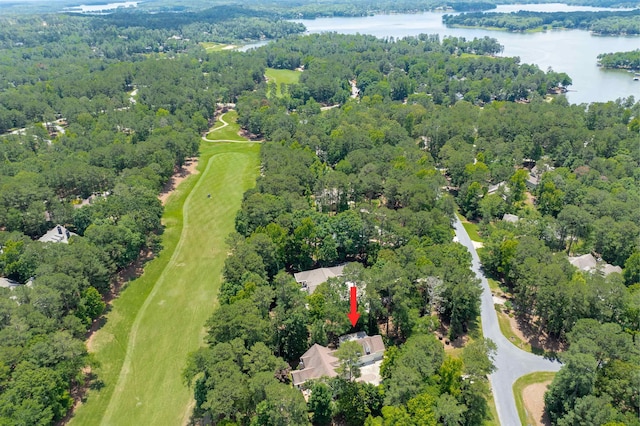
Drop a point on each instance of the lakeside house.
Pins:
(320, 361)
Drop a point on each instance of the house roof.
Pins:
(494, 188)
(610, 269)
(317, 362)
(58, 234)
(586, 262)
(7, 283)
(314, 277)
(533, 180)
(370, 344)
(510, 218)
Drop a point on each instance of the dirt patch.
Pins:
(516, 329)
(530, 200)
(533, 396)
(530, 332)
(77, 392)
(181, 174)
(250, 136)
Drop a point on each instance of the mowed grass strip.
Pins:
(160, 317)
(228, 132)
(281, 77)
(507, 331)
(471, 228)
(518, 391)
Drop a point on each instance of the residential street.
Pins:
(511, 361)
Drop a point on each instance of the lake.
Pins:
(570, 51)
(100, 8)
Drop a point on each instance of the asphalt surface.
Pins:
(511, 362)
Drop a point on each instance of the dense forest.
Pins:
(97, 113)
(97, 139)
(605, 22)
(624, 60)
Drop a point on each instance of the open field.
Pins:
(158, 319)
(529, 392)
(282, 77)
(226, 128)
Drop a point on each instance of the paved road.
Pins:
(511, 361)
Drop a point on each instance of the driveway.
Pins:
(511, 362)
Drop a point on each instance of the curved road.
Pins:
(511, 362)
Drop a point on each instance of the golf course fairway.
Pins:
(159, 318)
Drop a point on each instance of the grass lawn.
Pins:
(472, 229)
(493, 284)
(493, 412)
(159, 318)
(507, 331)
(282, 77)
(518, 388)
(229, 132)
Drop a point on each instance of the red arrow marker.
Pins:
(354, 315)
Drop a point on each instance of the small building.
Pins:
(58, 234)
(311, 279)
(320, 361)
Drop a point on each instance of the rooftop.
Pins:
(588, 263)
(314, 277)
(319, 361)
(58, 234)
(510, 218)
(7, 283)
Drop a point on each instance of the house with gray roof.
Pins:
(512, 218)
(58, 234)
(588, 263)
(320, 361)
(311, 279)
